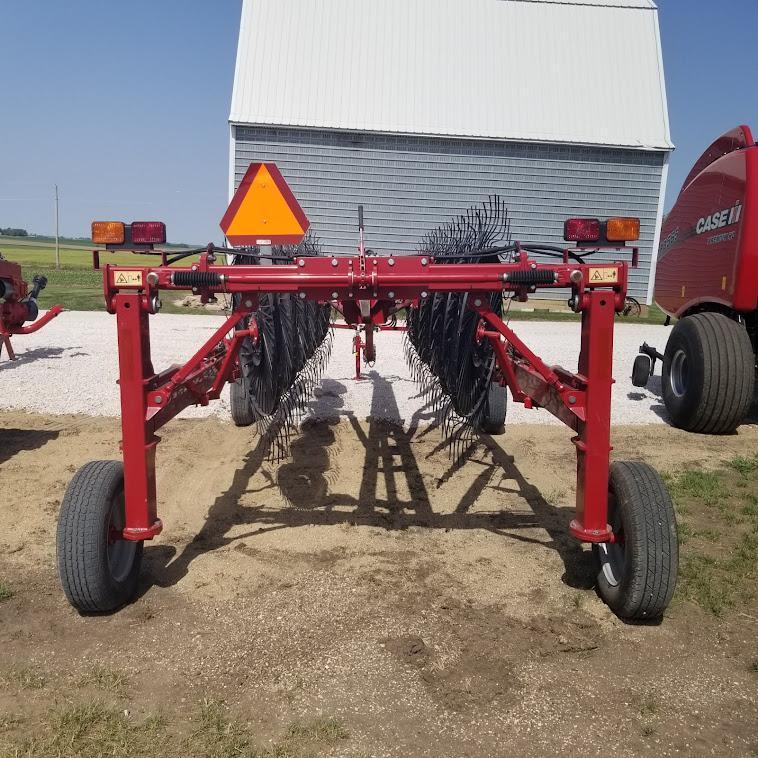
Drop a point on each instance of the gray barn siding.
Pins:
(409, 185)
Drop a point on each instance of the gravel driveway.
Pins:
(70, 366)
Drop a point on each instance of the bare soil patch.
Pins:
(370, 597)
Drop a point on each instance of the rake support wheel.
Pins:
(98, 569)
(239, 401)
(494, 414)
(637, 573)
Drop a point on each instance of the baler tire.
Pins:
(496, 409)
(637, 574)
(641, 370)
(97, 575)
(239, 401)
(708, 374)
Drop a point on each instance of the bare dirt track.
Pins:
(425, 608)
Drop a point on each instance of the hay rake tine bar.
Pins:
(149, 400)
(274, 347)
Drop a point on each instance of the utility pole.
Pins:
(57, 248)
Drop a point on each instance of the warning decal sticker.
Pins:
(127, 278)
(604, 275)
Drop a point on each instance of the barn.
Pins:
(417, 109)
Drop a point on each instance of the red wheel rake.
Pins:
(275, 342)
(18, 305)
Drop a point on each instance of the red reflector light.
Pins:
(581, 230)
(148, 232)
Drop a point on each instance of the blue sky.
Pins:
(127, 111)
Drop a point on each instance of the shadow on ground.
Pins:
(304, 480)
(38, 354)
(653, 391)
(13, 441)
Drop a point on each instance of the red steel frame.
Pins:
(14, 313)
(366, 290)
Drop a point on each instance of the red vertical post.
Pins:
(593, 443)
(135, 370)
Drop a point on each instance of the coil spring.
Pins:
(530, 276)
(195, 279)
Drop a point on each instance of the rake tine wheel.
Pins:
(288, 361)
(444, 359)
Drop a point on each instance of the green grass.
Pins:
(73, 257)
(91, 730)
(106, 679)
(74, 289)
(648, 705)
(5, 592)
(76, 285)
(718, 584)
(220, 736)
(648, 712)
(701, 485)
(74, 253)
(718, 532)
(683, 530)
(750, 509)
(710, 535)
(654, 316)
(25, 678)
(744, 465)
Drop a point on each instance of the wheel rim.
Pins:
(121, 552)
(679, 373)
(613, 554)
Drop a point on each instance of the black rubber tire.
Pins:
(239, 401)
(93, 497)
(641, 370)
(720, 374)
(637, 576)
(495, 412)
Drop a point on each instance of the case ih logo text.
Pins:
(670, 240)
(719, 219)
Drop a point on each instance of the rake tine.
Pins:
(452, 372)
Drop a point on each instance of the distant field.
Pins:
(75, 286)
(42, 255)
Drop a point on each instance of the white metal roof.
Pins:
(587, 71)
(607, 3)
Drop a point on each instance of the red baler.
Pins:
(707, 277)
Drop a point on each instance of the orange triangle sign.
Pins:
(263, 210)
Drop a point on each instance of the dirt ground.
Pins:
(405, 604)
